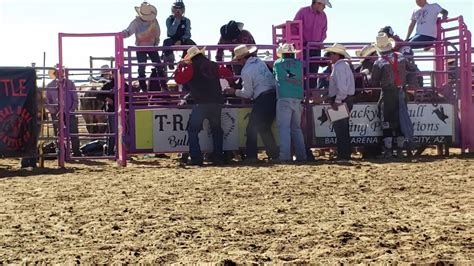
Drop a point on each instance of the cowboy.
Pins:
(425, 20)
(147, 33)
(52, 105)
(202, 76)
(289, 77)
(233, 33)
(413, 78)
(389, 72)
(314, 30)
(179, 31)
(341, 89)
(259, 85)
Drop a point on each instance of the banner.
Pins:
(18, 113)
(433, 124)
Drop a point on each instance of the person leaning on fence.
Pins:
(147, 33)
(315, 27)
(202, 77)
(259, 85)
(340, 92)
(233, 33)
(389, 72)
(368, 55)
(425, 18)
(52, 105)
(288, 73)
(179, 31)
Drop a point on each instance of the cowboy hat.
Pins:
(105, 69)
(287, 48)
(242, 50)
(338, 49)
(192, 52)
(366, 51)
(324, 2)
(179, 5)
(383, 43)
(231, 30)
(146, 11)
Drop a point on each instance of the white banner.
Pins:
(427, 119)
(170, 135)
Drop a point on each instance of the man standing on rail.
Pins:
(315, 26)
(147, 33)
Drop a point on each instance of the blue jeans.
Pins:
(260, 122)
(211, 112)
(421, 38)
(288, 116)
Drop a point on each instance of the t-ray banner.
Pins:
(18, 120)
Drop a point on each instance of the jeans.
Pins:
(142, 57)
(260, 122)
(421, 38)
(212, 112)
(111, 139)
(341, 127)
(288, 116)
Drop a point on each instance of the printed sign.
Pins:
(18, 121)
(170, 135)
(433, 124)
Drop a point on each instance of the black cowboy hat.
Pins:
(231, 30)
(179, 4)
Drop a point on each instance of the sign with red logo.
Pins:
(18, 120)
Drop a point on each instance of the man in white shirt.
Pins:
(425, 20)
(258, 84)
(341, 89)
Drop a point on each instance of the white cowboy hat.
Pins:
(192, 52)
(383, 43)
(338, 49)
(242, 50)
(287, 48)
(146, 11)
(324, 2)
(365, 51)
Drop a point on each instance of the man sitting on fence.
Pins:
(425, 19)
(202, 77)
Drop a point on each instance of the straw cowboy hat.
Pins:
(325, 2)
(366, 51)
(242, 50)
(383, 43)
(192, 52)
(338, 49)
(146, 11)
(287, 48)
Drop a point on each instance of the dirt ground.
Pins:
(154, 211)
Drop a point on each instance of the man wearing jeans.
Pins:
(289, 76)
(425, 20)
(202, 76)
(258, 84)
(147, 33)
(341, 88)
(315, 25)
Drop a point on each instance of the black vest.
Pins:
(178, 36)
(205, 85)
